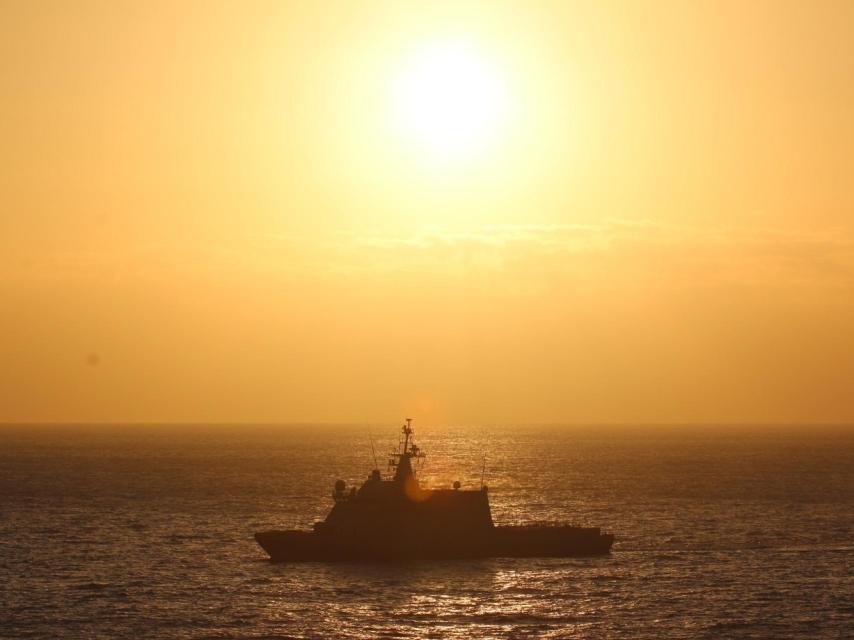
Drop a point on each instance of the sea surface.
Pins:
(146, 531)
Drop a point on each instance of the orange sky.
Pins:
(218, 211)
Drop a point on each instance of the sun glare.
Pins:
(450, 100)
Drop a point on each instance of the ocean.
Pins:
(136, 531)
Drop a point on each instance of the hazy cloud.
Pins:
(618, 248)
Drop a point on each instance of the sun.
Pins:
(450, 100)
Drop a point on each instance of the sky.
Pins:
(462, 212)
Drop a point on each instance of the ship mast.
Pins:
(401, 461)
(407, 431)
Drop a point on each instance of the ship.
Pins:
(392, 519)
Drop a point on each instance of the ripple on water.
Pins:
(149, 533)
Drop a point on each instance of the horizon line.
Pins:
(233, 423)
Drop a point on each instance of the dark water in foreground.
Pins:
(131, 532)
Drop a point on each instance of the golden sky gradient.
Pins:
(606, 211)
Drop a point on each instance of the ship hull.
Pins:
(497, 542)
